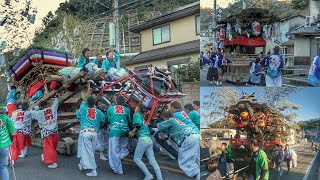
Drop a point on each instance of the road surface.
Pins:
(31, 168)
(305, 167)
(297, 80)
(204, 82)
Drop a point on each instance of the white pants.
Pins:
(189, 156)
(86, 149)
(117, 151)
(102, 140)
(273, 82)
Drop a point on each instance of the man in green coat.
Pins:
(118, 116)
(258, 168)
(7, 129)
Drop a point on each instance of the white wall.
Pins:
(314, 8)
(301, 47)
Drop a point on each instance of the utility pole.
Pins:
(317, 130)
(116, 22)
(214, 24)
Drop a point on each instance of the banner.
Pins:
(245, 41)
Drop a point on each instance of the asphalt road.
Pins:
(305, 158)
(31, 168)
(204, 82)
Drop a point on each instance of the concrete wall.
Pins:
(192, 91)
(181, 30)
(286, 26)
(314, 7)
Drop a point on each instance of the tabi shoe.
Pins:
(80, 167)
(102, 157)
(53, 166)
(22, 155)
(211, 82)
(220, 83)
(217, 83)
(25, 151)
(148, 178)
(92, 173)
(120, 173)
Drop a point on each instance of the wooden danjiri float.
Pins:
(48, 72)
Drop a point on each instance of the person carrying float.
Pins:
(84, 58)
(22, 122)
(193, 114)
(118, 116)
(144, 145)
(176, 110)
(188, 141)
(47, 118)
(90, 119)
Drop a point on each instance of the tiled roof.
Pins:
(166, 52)
(302, 30)
(184, 11)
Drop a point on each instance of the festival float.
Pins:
(40, 73)
(244, 36)
(252, 119)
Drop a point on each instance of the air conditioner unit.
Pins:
(308, 21)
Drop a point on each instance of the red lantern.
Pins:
(222, 34)
(217, 36)
(244, 115)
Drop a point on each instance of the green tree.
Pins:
(299, 4)
(190, 72)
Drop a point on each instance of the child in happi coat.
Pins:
(176, 110)
(118, 116)
(193, 115)
(274, 63)
(22, 122)
(47, 118)
(222, 67)
(145, 145)
(103, 135)
(12, 100)
(188, 141)
(90, 118)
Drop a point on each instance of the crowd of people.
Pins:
(100, 125)
(259, 163)
(269, 67)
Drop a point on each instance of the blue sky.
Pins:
(307, 98)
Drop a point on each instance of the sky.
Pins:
(220, 3)
(307, 98)
(42, 6)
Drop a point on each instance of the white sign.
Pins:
(112, 34)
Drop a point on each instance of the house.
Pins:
(285, 25)
(306, 36)
(171, 39)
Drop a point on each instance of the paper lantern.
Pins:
(244, 115)
(222, 34)
(256, 28)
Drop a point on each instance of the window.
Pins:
(161, 35)
(198, 25)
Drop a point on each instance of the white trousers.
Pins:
(117, 151)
